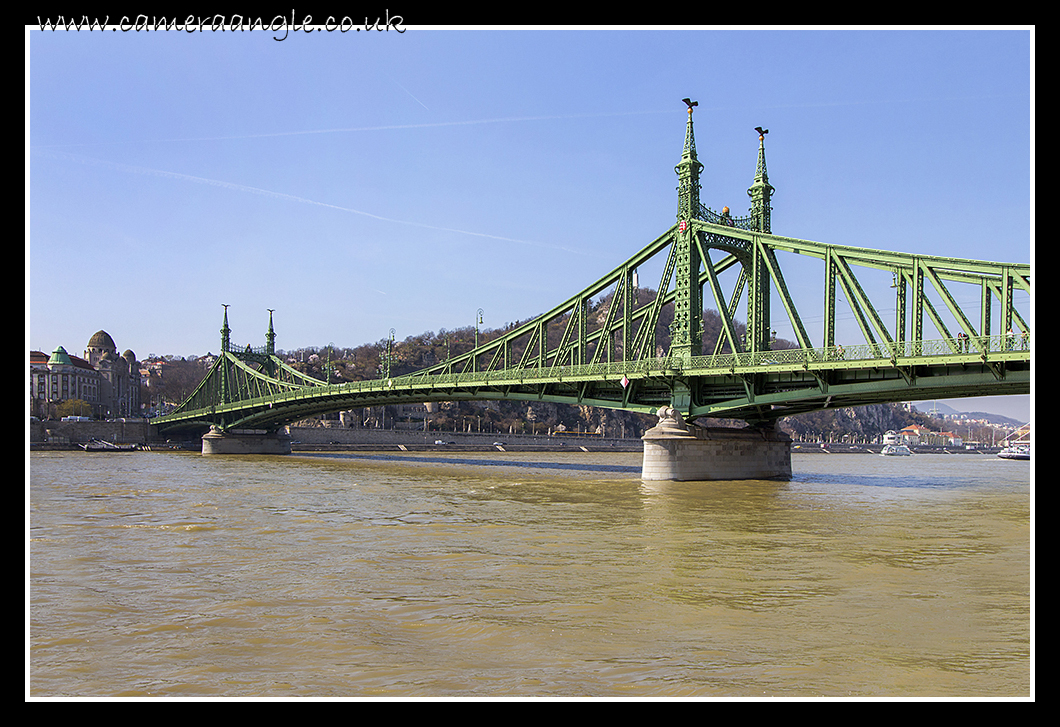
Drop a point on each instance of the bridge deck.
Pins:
(762, 385)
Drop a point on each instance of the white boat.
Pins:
(895, 450)
(1017, 444)
(1016, 451)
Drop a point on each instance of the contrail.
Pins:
(289, 197)
(410, 94)
(385, 127)
(509, 119)
(501, 120)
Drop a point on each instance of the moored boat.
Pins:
(98, 445)
(1016, 451)
(895, 450)
(1017, 444)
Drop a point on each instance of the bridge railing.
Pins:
(891, 352)
(255, 350)
(741, 223)
(960, 350)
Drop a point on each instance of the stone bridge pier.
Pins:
(673, 450)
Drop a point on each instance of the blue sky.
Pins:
(358, 182)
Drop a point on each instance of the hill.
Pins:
(941, 410)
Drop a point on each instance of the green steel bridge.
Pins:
(610, 354)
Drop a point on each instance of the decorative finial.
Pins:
(761, 133)
(690, 103)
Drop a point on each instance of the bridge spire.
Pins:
(270, 337)
(225, 331)
(225, 392)
(688, 172)
(686, 332)
(761, 191)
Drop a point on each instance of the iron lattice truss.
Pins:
(609, 345)
(610, 358)
(240, 375)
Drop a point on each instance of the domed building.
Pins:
(101, 343)
(109, 383)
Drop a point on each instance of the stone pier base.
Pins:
(245, 441)
(675, 451)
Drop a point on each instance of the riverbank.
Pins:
(70, 436)
(628, 445)
(815, 448)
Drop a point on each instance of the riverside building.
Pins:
(108, 383)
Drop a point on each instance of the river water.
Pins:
(165, 574)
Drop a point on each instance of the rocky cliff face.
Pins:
(863, 422)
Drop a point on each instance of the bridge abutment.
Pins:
(245, 441)
(675, 451)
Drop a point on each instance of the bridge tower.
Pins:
(226, 340)
(672, 449)
(686, 332)
(222, 440)
(761, 191)
(759, 337)
(270, 338)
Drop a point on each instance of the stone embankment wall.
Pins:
(303, 438)
(64, 434)
(68, 435)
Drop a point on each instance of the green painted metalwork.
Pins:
(686, 331)
(600, 347)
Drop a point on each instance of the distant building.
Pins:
(107, 382)
(914, 434)
(951, 439)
